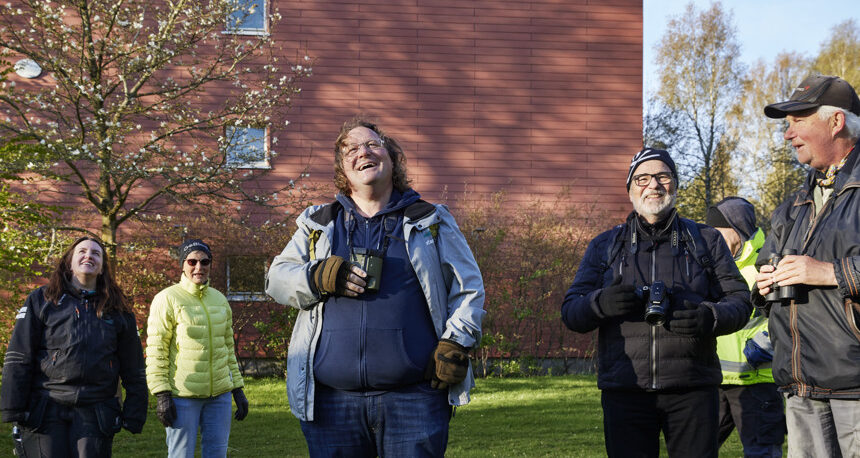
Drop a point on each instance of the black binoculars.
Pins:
(780, 293)
(657, 302)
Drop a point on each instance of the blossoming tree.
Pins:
(145, 102)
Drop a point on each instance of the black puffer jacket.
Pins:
(68, 354)
(817, 336)
(631, 353)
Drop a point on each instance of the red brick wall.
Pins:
(529, 96)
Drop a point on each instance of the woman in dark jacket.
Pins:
(73, 340)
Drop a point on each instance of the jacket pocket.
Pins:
(108, 414)
(852, 314)
(36, 413)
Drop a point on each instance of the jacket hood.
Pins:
(397, 201)
(740, 214)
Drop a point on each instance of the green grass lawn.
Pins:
(536, 416)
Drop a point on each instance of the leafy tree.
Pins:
(840, 55)
(700, 79)
(691, 192)
(140, 100)
(770, 168)
(27, 241)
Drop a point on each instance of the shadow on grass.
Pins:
(533, 417)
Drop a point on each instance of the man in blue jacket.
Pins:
(659, 288)
(390, 302)
(813, 292)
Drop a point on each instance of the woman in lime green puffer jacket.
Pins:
(190, 359)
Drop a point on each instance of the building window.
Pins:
(247, 147)
(248, 18)
(246, 278)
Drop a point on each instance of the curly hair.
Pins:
(109, 295)
(399, 178)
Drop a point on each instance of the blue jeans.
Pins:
(211, 416)
(410, 422)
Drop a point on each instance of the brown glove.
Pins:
(329, 276)
(448, 365)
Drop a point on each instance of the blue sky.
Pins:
(765, 27)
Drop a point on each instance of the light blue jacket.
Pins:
(446, 270)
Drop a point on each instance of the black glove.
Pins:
(448, 365)
(330, 275)
(133, 427)
(618, 300)
(241, 404)
(165, 409)
(694, 320)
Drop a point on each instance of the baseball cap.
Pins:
(814, 92)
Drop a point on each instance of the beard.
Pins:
(654, 208)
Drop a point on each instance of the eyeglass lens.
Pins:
(645, 178)
(193, 262)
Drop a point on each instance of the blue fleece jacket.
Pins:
(378, 340)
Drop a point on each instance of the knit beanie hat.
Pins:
(191, 245)
(648, 154)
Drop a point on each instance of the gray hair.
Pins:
(852, 121)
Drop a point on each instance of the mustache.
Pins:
(656, 192)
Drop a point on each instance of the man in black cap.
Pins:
(749, 399)
(813, 292)
(660, 288)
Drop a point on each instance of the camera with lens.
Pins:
(369, 261)
(657, 302)
(780, 293)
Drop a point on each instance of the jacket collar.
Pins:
(848, 178)
(191, 287)
(750, 249)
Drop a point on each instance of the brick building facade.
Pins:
(523, 96)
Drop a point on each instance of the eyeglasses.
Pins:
(203, 262)
(371, 145)
(644, 179)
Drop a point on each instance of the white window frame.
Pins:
(246, 296)
(230, 148)
(264, 31)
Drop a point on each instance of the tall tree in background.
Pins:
(700, 79)
(769, 163)
(140, 100)
(840, 55)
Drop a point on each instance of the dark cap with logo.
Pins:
(814, 92)
(191, 245)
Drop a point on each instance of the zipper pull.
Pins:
(687, 261)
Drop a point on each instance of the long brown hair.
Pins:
(109, 295)
(395, 152)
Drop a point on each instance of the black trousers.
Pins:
(633, 420)
(70, 432)
(757, 411)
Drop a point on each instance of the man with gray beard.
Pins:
(659, 288)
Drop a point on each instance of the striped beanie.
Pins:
(649, 154)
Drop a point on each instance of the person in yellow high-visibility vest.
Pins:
(748, 396)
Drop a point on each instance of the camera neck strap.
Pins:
(389, 225)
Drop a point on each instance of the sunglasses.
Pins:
(203, 262)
